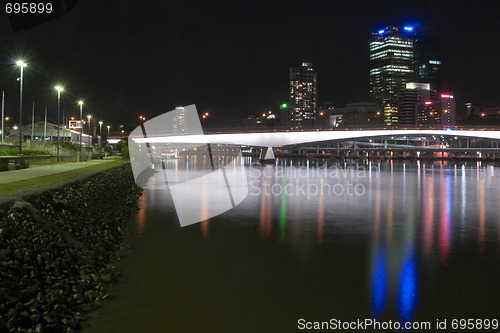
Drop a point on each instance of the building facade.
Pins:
(400, 55)
(362, 115)
(410, 99)
(438, 113)
(303, 94)
(41, 131)
(427, 53)
(391, 67)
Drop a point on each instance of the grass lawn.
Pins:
(38, 182)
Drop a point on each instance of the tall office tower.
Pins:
(437, 113)
(391, 67)
(410, 99)
(427, 56)
(303, 94)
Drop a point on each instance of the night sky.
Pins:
(232, 58)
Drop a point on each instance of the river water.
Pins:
(317, 242)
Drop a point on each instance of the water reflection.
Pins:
(379, 283)
(444, 218)
(321, 219)
(428, 215)
(265, 217)
(482, 213)
(407, 287)
(411, 246)
(282, 218)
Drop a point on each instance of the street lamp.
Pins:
(81, 127)
(90, 132)
(59, 89)
(100, 136)
(21, 64)
(108, 131)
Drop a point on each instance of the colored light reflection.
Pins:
(282, 219)
(407, 298)
(321, 220)
(482, 214)
(444, 220)
(265, 223)
(379, 283)
(390, 207)
(428, 216)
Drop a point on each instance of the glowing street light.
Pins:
(100, 136)
(21, 64)
(59, 90)
(108, 130)
(90, 132)
(3, 115)
(81, 126)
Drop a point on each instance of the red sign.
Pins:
(75, 124)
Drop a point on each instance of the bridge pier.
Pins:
(267, 154)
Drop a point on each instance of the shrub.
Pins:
(125, 153)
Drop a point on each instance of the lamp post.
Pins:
(3, 116)
(90, 132)
(100, 136)
(21, 64)
(59, 89)
(81, 127)
(108, 131)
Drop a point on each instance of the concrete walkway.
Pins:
(18, 175)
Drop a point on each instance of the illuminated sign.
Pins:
(414, 85)
(446, 96)
(381, 32)
(428, 103)
(408, 28)
(75, 124)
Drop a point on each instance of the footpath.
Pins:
(16, 183)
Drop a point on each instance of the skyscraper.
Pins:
(399, 55)
(410, 101)
(391, 67)
(303, 94)
(427, 60)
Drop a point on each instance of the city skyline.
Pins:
(232, 59)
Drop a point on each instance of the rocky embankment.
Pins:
(57, 251)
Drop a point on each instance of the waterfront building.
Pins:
(41, 131)
(303, 94)
(411, 99)
(437, 113)
(399, 55)
(391, 67)
(427, 56)
(353, 116)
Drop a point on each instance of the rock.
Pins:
(57, 249)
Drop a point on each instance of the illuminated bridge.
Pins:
(269, 140)
(280, 139)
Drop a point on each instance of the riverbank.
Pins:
(58, 248)
(17, 183)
